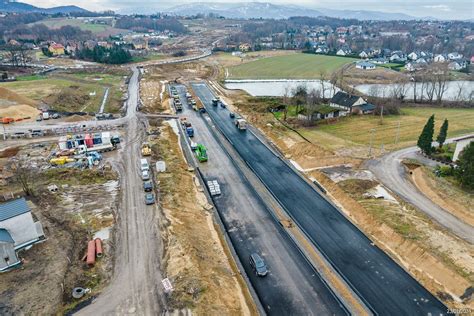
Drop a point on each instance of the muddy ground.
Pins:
(83, 205)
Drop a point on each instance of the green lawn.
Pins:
(294, 66)
(356, 130)
(56, 23)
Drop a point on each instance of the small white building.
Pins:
(461, 143)
(365, 65)
(455, 56)
(440, 58)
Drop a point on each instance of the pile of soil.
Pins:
(72, 95)
(16, 106)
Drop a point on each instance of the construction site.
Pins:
(167, 193)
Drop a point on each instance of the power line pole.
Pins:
(381, 115)
(398, 133)
(372, 132)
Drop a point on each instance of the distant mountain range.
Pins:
(255, 10)
(20, 7)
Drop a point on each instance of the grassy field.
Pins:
(356, 130)
(294, 66)
(71, 92)
(94, 28)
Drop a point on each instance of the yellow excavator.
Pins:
(146, 149)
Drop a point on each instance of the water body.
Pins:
(455, 90)
(276, 88)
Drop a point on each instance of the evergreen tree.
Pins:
(443, 133)
(465, 170)
(426, 137)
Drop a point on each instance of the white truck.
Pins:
(45, 115)
(100, 148)
(241, 124)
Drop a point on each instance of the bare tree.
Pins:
(323, 77)
(286, 101)
(441, 78)
(299, 96)
(24, 175)
(460, 91)
(313, 99)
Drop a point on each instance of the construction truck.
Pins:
(146, 149)
(201, 153)
(241, 124)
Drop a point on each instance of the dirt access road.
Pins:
(390, 171)
(136, 285)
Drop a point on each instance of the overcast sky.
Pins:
(447, 9)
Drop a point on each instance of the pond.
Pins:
(276, 88)
(455, 90)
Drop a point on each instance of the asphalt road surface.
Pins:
(391, 172)
(385, 287)
(292, 286)
(136, 285)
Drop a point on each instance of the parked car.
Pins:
(149, 198)
(232, 115)
(148, 186)
(39, 118)
(193, 146)
(145, 175)
(55, 116)
(258, 265)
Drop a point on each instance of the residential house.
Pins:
(398, 56)
(363, 54)
(322, 112)
(455, 56)
(379, 60)
(17, 225)
(365, 65)
(366, 108)
(414, 55)
(321, 49)
(56, 49)
(90, 44)
(440, 58)
(71, 48)
(345, 101)
(457, 64)
(245, 47)
(104, 44)
(344, 51)
(461, 143)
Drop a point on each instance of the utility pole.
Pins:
(372, 132)
(381, 115)
(398, 133)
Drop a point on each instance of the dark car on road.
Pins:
(258, 265)
(232, 115)
(149, 198)
(148, 186)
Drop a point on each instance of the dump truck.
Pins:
(201, 153)
(241, 124)
(146, 149)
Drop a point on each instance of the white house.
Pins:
(343, 52)
(440, 58)
(414, 55)
(17, 225)
(461, 143)
(363, 54)
(345, 102)
(455, 56)
(365, 65)
(457, 65)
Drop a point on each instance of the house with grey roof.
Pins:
(18, 230)
(345, 102)
(365, 65)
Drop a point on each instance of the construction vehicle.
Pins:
(61, 160)
(201, 153)
(146, 149)
(241, 124)
(7, 120)
(190, 131)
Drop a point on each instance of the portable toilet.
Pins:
(88, 141)
(105, 137)
(62, 143)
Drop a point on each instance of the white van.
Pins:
(144, 166)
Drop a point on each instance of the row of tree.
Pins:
(114, 55)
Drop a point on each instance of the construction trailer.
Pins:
(82, 143)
